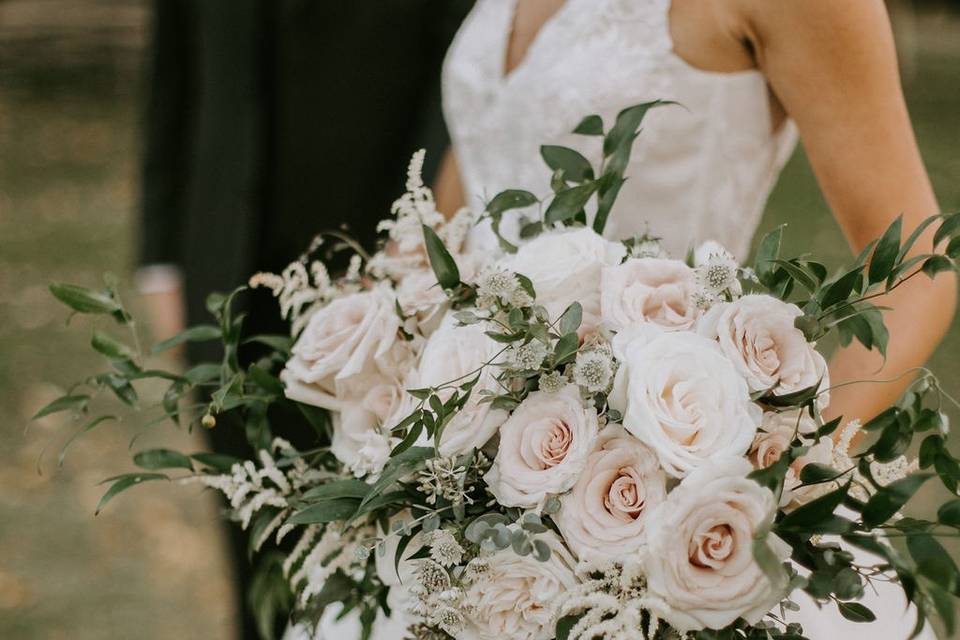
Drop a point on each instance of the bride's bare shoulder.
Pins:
(731, 35)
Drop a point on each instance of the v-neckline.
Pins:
(503, 75)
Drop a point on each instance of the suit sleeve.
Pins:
(166, 135)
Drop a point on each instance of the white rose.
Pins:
(700, 567)
(774, 438)
(421, 296)
(648, 290)
(681, 397)
(606, 512)
(454, 353)
(757, 334)
(565, 267)
(353, 336)
(518, 598)
(361, 429)
(543, 447)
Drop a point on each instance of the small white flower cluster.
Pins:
(411, 212)
(593, 369)
(552, 381)
(300, 291)
(437, 601)
(527, 356)
(647, 247)
(336, 550)
(611, 602)
(444, 477)
(716, 271)
(249, 488)
(498, 287)
(444, 548)
(883, 473)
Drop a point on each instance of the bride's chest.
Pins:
(579, 62)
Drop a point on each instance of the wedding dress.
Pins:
(700, 171)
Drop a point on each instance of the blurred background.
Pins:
(71, 88)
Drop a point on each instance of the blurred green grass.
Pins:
(150, 567)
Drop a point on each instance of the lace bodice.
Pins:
(700, 171)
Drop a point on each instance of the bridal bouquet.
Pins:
(577, 438)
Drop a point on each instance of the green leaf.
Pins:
(855, 612)
(64, 403)
(280, 344)
(120, 386)
(799, 273)
(162, 459)
(949, 229)
(890, 499)
(89, 426)
(590, 126)
(815, 473)
(626, 125)
(936, 264)
(609, 189)
(510, 199)
(767, 251)
(265, 380)
(929, 450)
(841, 288)
(444, 266)
(949, 513)
(946, 608)
(201, 373)
(807, 517)
(124, 482)
(326, 511)
(574, 166)
(914, 235)
(569, 202)
(885, 255)
(953, 248)
(933, 561)
(347, 488)
(219, 461)
(399, 466)
(107, 345)
(199, 333)
(83, 300)
(566, 348)
(571, 318)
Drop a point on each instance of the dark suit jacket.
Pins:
(270, 120)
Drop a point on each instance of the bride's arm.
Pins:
(833, 67)
(447, 188)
